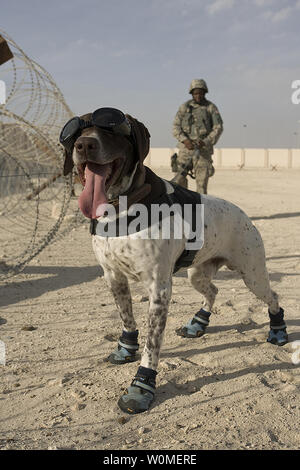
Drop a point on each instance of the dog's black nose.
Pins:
(87, 146)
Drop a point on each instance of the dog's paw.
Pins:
(186, 332)
(122, 356)
(278, 337)
(136, 400)
(196, 327)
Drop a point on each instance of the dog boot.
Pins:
(126, 350)
(140, 394)
(196, 326)
(277, 333)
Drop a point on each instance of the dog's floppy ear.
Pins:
(141, 138)
(68, 164)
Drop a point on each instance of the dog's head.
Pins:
(108, 163)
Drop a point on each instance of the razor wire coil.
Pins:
(35, 197)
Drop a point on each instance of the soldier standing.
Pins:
(197, 126)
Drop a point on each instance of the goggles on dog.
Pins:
(109, 119)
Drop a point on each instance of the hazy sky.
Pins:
(141, 55)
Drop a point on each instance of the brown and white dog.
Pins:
(111, 165)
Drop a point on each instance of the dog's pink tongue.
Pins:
(92, 201)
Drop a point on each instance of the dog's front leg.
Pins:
(159, 298)
(127, 344)
(140, 394)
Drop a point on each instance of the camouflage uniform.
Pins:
(197, 121)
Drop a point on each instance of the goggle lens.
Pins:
(106, 118)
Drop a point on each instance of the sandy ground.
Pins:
(226, 390)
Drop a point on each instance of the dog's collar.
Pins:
(134, 196)
(138, 195)
(152, 189)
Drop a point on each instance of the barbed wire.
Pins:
(34, 196)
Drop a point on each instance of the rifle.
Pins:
(185, 169)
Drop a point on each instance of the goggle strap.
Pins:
(84, 124)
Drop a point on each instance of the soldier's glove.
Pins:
(189, 144)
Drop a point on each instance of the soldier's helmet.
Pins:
(198, 83)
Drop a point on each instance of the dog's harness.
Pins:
(160, 194)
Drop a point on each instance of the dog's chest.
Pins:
(129, 255)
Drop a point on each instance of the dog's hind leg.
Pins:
(140, 394)
(200, 276)
(256, 279)
(250, 261)
(127, 344)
